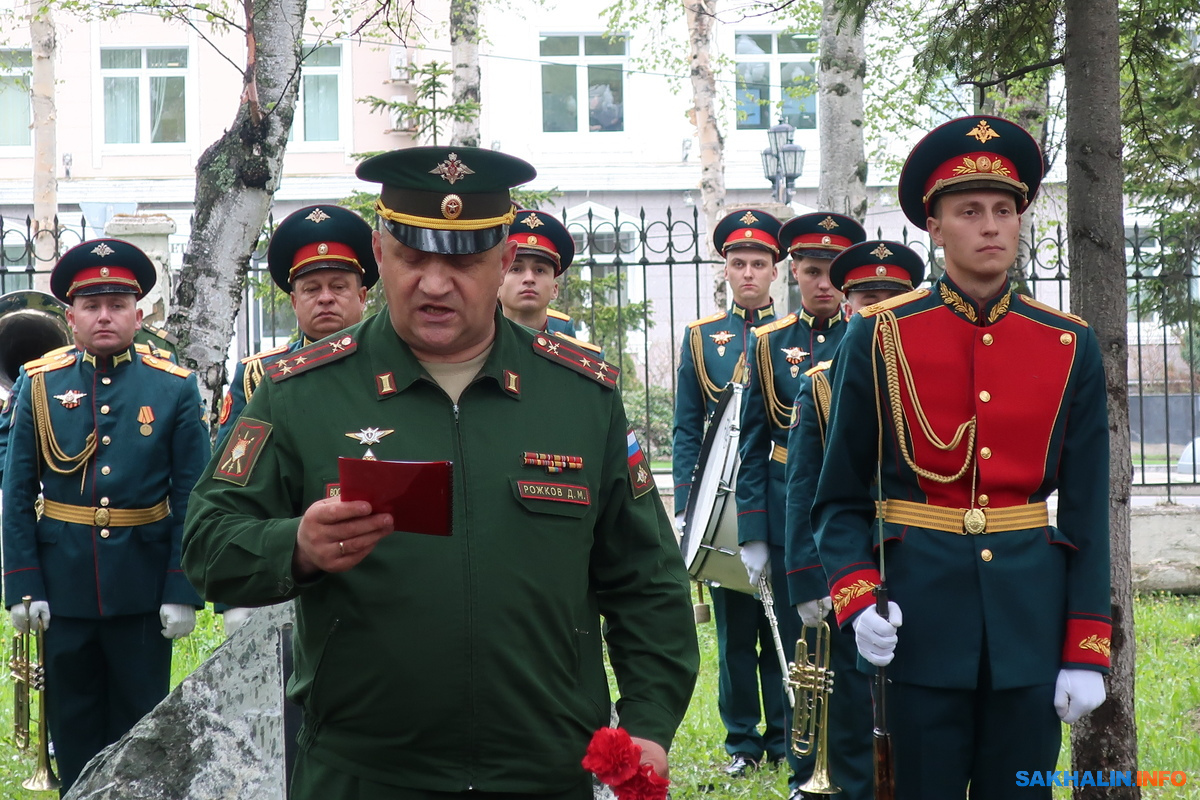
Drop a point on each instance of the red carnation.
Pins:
(612, 756)
(644, 785)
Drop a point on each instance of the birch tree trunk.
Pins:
(701, 23)
(464, 58)
(236, 179)
(842, 185)
(45, 136)
(1107, 738)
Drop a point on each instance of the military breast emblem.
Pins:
(720, 339)
(794, 356)
(70, 398)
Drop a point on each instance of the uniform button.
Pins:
(986, 555)
(1065, 338)
(103, 409)
(104, 502)
(104, 534)
(105, 470)
(985, 396)
(983, 499)
(106, 439)
(985, 452)
(988, 338)
(106, 381)
(821, 338)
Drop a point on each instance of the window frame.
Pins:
(775, 60)
(344, 140)
(583, 65)
(8, 71)
(144, 75)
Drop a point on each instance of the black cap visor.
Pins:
(431, 240)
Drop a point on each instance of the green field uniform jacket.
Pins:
(472, 660)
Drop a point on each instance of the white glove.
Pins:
(680, 522)
(234, 617)
(178, 620)
(813, 611)
(38, 610)
(1077, 692)
(756, 557)
(876, 636)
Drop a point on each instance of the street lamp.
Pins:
(782, 161)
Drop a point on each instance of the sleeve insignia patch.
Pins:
(585, 362)
(640, 479)
(850, 593)
(242, 451)
(314, 355)
(1098, 644)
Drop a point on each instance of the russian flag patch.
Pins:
(640, 479)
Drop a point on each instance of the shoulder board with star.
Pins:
(274, 351)
(315, 355)
(820, 367)
(578, 342)
(893, 302)
(52, 356)
(166, 366)
(585, 362)
(771, 327)
(711, 318)
(550, 312)
(1029, 301)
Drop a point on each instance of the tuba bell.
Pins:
(28, 672)
(812, 682)
(32, 324)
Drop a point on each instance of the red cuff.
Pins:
(1087, 641)
(853, 593)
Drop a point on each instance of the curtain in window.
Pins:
(121, 117)
(168, 122)
(14, 110)
(320, 108)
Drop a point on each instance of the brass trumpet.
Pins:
(812, 683)
(28, 676)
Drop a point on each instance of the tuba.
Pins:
(29, 675)
(812, 682)
(32, 324)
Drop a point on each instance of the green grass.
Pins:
(1168, 690)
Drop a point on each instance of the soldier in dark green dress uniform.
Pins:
(469, 664)
(867, 273)
(777, 354)
(113, 440)
(983, 402)
(711, 357)
(544, 252)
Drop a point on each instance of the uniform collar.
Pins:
(754, 315)
(115, 360)
(966, 307)
(817, 323)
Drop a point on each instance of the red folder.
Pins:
(418, 494)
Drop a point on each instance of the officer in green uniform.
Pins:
(866, 273)
(983, 402)
(711, 357)
(469, 664)
(113, 440)
(544, 252)
(777, 354)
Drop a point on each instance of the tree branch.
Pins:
(1053, 62)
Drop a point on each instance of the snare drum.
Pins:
(710, 539)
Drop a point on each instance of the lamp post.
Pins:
(783, 161)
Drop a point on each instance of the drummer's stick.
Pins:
(768, 601)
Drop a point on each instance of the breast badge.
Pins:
(794, 356)
(70, 398)
(146, 416)
(368, 437)
(721, 338)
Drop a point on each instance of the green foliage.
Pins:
(650, 408)
(596, 302)
(429, 114)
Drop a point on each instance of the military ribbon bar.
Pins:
(552, 463)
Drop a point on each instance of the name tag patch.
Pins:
(558, 492)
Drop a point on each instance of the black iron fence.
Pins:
(637, 281)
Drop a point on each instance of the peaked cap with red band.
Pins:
(970, 153)
(321, 237)
(820, 234)
(877, 265)
(543, 235)
(102, 266)
(747, 228)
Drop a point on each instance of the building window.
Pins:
(144, 94)
(776, 77)
(583, 66)
(317, 108)
(15, 115)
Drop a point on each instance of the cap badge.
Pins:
(452, 206)
(826, 240)
(104, 272)
(881, 270)
(748, 218)
(531, 240)
(983, 132)
(452, 170)
(828, 223)
(881, 251)
(322, 249)
(103, 250)
(317, 215)
(748, 235)
(983, 164)
(532, 221)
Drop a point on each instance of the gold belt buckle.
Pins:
(974, 521)
(102, 516)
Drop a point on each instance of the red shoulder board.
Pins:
(585, 362)
(314, 355)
